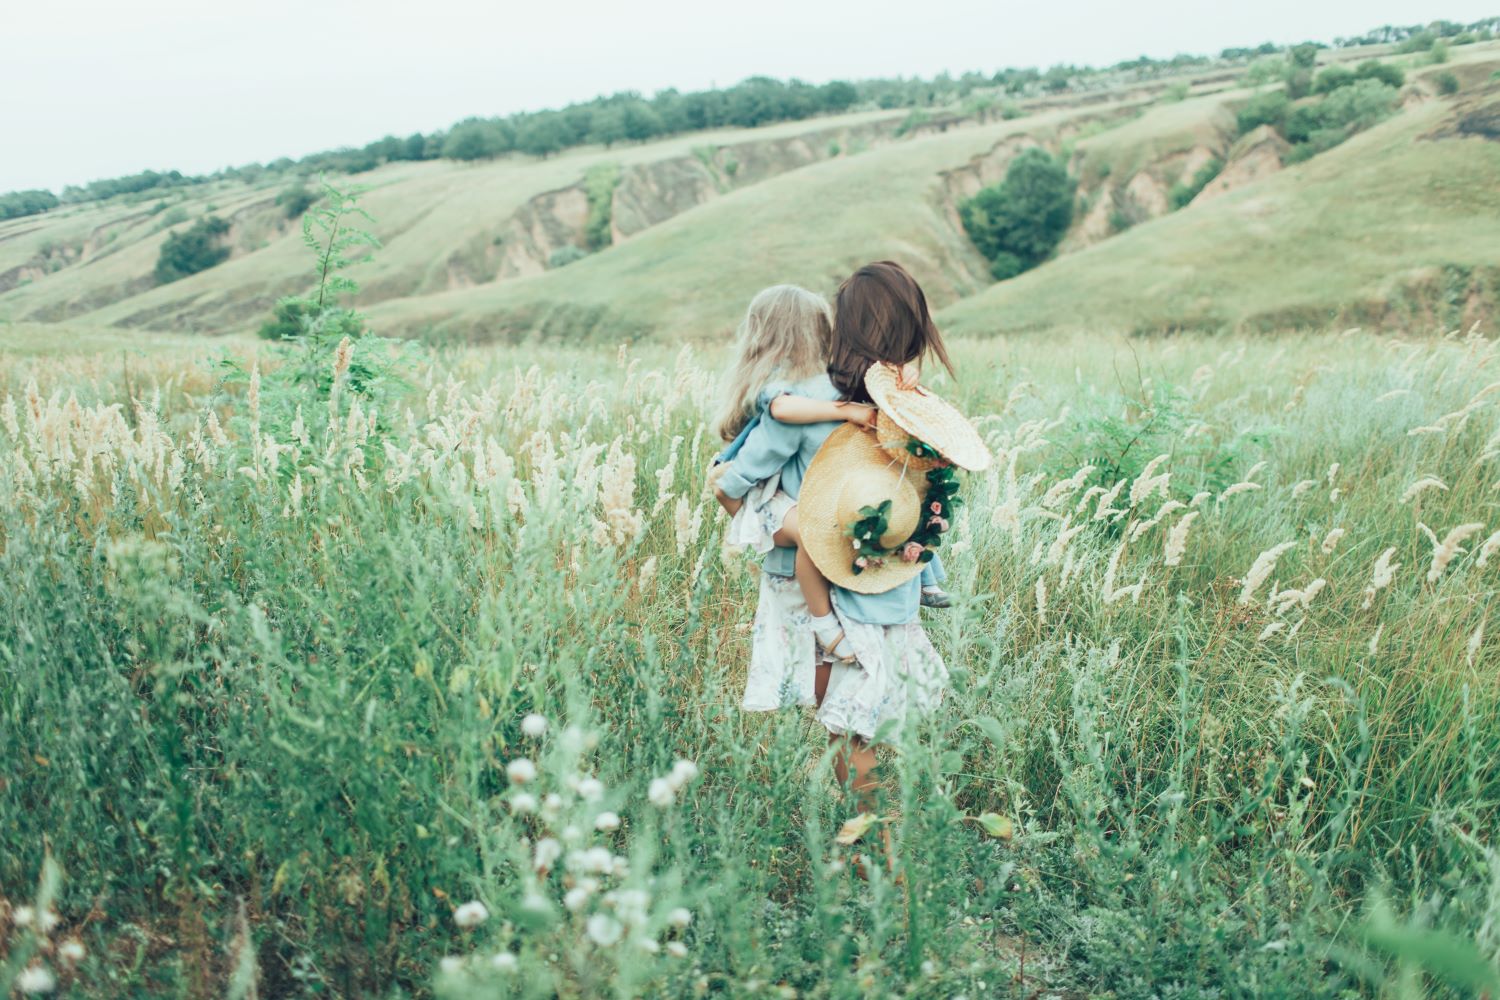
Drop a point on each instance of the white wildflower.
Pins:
(1475, 641)
(504, 961)
(534, 725)
(682, 772)
(451, 965)
(1148, 482)
(523, 802)
(576, 898)
(1375, 639)
(1261, 570)
(1237, 488)
(1331, 541)
(661, 793)
(1199, 497)
(71, 951)
(1302, 487)
(1041, 600)
(546, 853)
(1384, 573)
(520, 771)
(1490, 546)
(1450, 546)
(1270, 630)
(677, 949)
(1417, 488)
(1177, 539)
(604, 930)
(36, 979)
(680, 917)
(591, 789)
(607, 821)
(471, 914)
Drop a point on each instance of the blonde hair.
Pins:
(785, 333)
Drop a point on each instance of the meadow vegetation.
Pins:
(275, 630)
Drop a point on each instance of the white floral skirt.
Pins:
(761, 515)
(897, 673)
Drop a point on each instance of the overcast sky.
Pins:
(99, 88)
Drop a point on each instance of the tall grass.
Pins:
(265, 657)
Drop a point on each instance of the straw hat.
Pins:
(851, 472)
(928, 418)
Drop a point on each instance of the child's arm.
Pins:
(768, 447)
(802, 410)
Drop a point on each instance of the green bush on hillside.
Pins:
(21, 203)
(1184, 192)
(1017, 223)
(1387, 73)
(1332, 79)
(1263, 109)
(296, 200)
(1447, 83)
(1342, 113)
(293, 317)
(195, 249)
(599, 184)
(565, 255)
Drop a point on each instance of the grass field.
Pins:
(1221, 724)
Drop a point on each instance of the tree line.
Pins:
(631, 117)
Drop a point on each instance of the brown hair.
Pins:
(880, 316)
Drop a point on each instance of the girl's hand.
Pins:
(908, 375)
(860, 413)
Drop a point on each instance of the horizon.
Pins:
(304, 127)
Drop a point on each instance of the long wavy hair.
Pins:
(882, 316)
(785, 334)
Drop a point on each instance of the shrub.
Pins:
(1263, 109)
(1447, 83)
(16, 204)
(1313, 128)
(599, 184)
(296, 200)
(1386, 73)
(1016, 224)
(195, 249)
(1184, 192)
(1011, 110)
(913, 119)
(833, 149)
(175, 215)
(292, 317)
(1438, 53)
(565, 255)
(1332, 79)
(1175, 93)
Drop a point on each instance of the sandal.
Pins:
(829, 649)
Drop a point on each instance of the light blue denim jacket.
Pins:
(767, 446)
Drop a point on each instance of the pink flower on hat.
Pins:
(942, 523)
(936, 507)
(861, 562)
(911, 552)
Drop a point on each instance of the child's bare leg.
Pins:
(812, 581)
(815, 591)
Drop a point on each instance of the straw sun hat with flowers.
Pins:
(875, 502)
